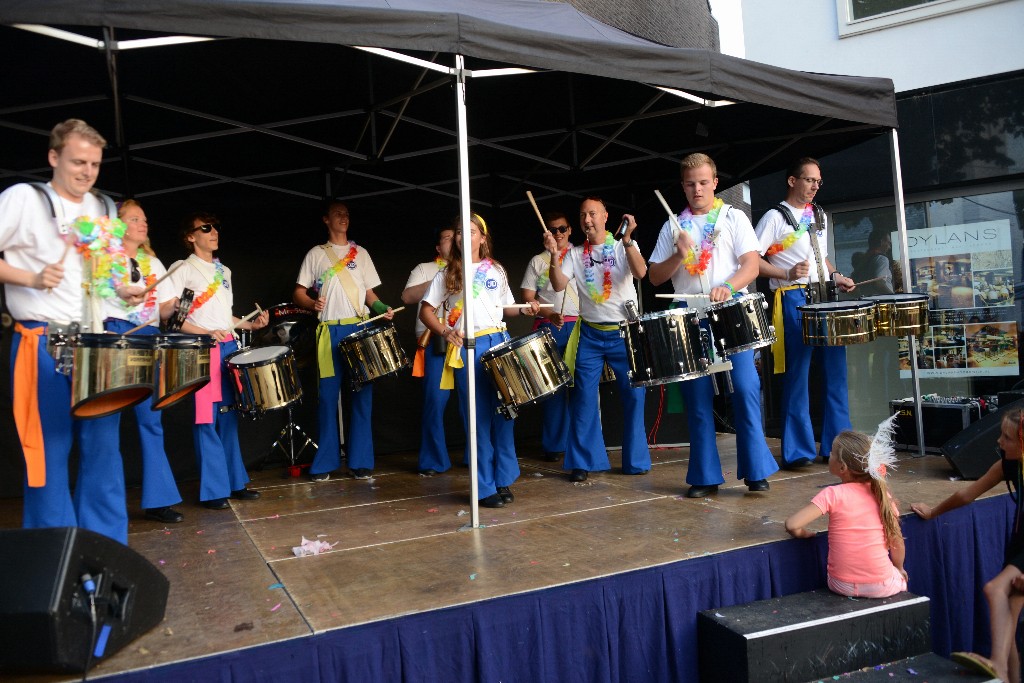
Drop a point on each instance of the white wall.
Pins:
(804, 35)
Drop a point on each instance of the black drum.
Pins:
(291, 326)
(665, 346)
(740, 324)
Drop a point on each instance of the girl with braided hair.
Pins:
(1005, 592)
(865, 544)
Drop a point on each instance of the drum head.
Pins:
(506, 346)
(258, 356)
(370, 331)
(185, 341)
(895, 298)
(116, 341)
(836, 306)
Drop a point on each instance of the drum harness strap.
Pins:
(325, 359)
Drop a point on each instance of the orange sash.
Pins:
(26, 403)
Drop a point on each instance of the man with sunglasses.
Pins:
(215, 433)
(794, 243)
(715, 253)
(559, 319)
(336, 280)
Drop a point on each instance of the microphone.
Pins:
(622, 228)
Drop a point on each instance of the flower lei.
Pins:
(708, 238)
(588, 269)
(479, 278)
(101, 237)
(218, 278)
(440, 263)
(789, 240)
(542, 279)
(336, 268)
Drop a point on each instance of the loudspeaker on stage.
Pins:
(45, 611)
(973, 451)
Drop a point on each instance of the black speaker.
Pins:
(973, 451)
(45, 606)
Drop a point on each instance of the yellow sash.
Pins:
(574, 341)
(453, 359)
(324, 357)
(779, 347)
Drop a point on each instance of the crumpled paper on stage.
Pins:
(313, 547)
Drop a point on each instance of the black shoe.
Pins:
(492, 501)
(637, 473)
(429, 472)
(551, 456)
(167, 515)
(578, 475)
(796, 464)
(216, 504)
(245, 494)
(756, 485)
(360, 473)
(506, 494)
(321, 476)
(701, 491)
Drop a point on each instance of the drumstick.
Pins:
(378, 317)
(67, 248)
(671, 216)
(162, 278)
(528, 306)
(246, 318)
(154, 321)
(682, 296)
(543, 225)
(874, 279)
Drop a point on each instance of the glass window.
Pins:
(861, 9)
(967, 263)
(860, 16)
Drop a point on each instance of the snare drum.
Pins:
(372, 353)
(264, 378)
(900, 315)
(182, 367)
(525, 370)
(740, 324)
(838, 323)
(111, 372)
(287, 324)
(665, 346)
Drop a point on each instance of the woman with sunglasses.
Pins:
(138, 268)
(560, 319)
(222, 470)
(491, 299)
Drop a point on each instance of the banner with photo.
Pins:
(967, 273)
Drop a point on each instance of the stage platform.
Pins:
(406, 593)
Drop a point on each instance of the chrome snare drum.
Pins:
(900, 315)
(838, 323)
(665, 346)
(372, 353)
(740, 324)
(111, 372)
(525, 370)
(182, 367)
(264, 378)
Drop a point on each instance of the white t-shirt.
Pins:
(363, 273)
(486, 307)
(773, 226)
(197, 275)
(30, 239)
(116, 307)
(623, 290)
(424, 272)
(735, 238)
(537, 272)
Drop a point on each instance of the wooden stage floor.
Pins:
(235, 582)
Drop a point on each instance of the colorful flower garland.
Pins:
(218, 278)
(101, 238)
(440, 262)
(695, 266)
(542, 279)
(479, 278)
(789, 240)
(588, 269)
(336, 268)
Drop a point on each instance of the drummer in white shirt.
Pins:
(717, 242)
(559, 319)
(222, 469)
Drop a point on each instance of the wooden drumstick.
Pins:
(154, 322)
(864, 282)
(682, 296)
(543, 225)
(67, 248)
(163, 277)
(378, 317)
(246, 319)
(524, 306)
(671, 216)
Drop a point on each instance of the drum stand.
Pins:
(291, 434)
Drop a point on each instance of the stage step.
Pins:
(930, 667)
(805, 636)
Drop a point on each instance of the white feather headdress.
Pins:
(881, 455)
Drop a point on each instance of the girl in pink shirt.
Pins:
(865, 544)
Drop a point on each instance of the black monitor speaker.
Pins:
(45, 605)
(973, 451)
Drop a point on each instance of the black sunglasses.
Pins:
(207, 227)
(561, 229)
